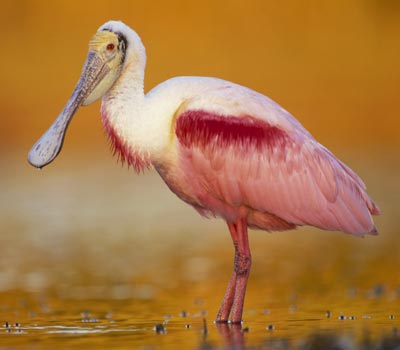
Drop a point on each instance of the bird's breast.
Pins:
(122, 148)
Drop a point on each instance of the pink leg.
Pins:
(227, 301)
(242, 269)
(233, 300)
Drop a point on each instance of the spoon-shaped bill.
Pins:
(49, 145)
(46, 149)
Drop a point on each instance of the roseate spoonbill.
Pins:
(226, 150)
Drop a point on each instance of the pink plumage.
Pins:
(235, 166)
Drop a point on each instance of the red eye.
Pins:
(110, 47)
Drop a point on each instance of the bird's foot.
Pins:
(221, 321)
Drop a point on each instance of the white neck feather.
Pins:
(138, 124)
(124, 104)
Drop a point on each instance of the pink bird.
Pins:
(226, 150)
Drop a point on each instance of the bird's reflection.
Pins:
(232, 335)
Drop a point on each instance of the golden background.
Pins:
(333, 64)
(86, 228)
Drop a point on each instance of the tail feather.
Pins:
(373, 208)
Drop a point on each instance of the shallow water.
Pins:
(45, 321)
(97, 257)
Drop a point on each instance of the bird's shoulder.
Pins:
(224, 99)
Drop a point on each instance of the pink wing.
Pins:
(277, 173)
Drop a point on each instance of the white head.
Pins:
(114, 47)
(118, 46)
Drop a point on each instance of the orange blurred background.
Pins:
(333, 64)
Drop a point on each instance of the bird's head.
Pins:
(109, 50)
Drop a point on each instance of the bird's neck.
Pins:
(123, 112)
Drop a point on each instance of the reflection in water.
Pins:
(231, 335)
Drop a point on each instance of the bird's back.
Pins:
(238, 153)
